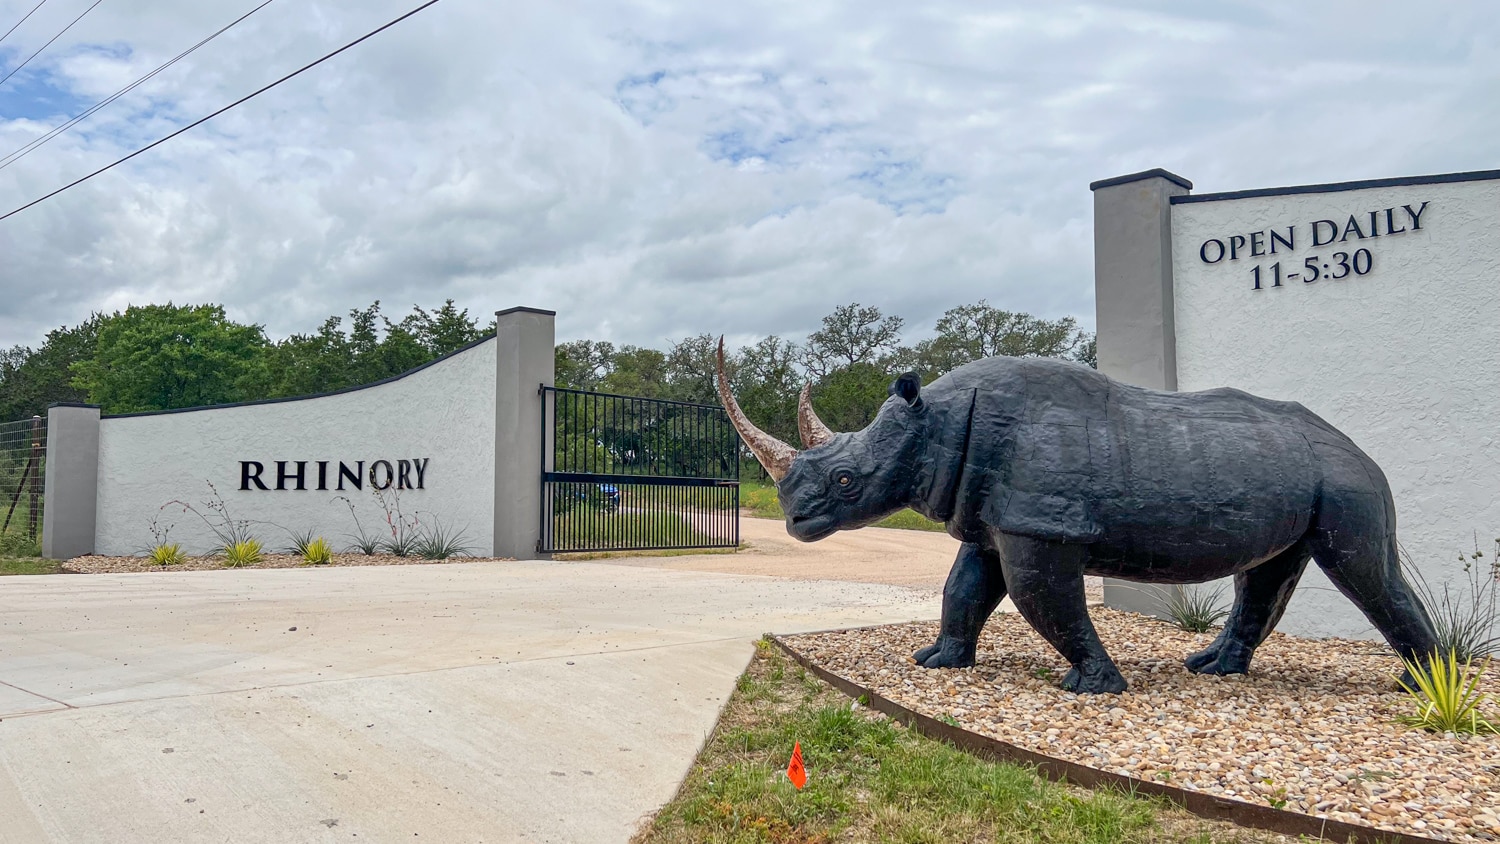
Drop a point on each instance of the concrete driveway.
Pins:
(548, 702)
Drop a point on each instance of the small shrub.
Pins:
(439, 543)
(318, 552)
(300, 541)
(167, 555)
(1194, 610)
(401, 544)
(243, 553)
(361, 540)
(18, 545)
(1447, 696)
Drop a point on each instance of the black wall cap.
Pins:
(525, 310)
(1144, 174)
(1334, 187)
(71, 404)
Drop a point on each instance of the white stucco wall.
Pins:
(444, 412)
(1405, 359)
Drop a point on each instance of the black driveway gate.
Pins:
(628, 474)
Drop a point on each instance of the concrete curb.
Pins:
(1198, 803)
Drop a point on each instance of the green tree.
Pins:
(691, 367)
(1087, 352)
(638, 371)
(159, 357)
(584, 364)
(766, 383)
(304, 364)
(851, 335)
(30, 380)
(971, 332)
(446, 330)
(848, 398)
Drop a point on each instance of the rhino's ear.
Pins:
(908, 387)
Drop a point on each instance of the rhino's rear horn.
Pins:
(814, 432)
(775, 455)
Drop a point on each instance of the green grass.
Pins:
(590, 529)
(872, 780)
(759, 497)
(29, 565)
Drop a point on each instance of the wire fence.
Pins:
(23, 458)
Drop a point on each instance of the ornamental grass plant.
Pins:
(318, 552)
(167, 554)
(246, 552)
(1194, 610)
(1447, 696)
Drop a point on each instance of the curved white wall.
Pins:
(1405, 359)
(444, 412)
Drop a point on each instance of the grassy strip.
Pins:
(29, 565)
(870, 779)
(759, 497)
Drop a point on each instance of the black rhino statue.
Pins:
(1047, 471)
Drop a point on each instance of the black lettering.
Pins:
(282, 476)
(322, 475)
(390, 475)
(1291, 236)
(1416, 216)
(421, 467)
(1374, 224)
(250, 474)
(1203, 251)
(1257, 244)
(1390, 222)
(1236, 243)
(1353, 225)
(1333, 232)
(356, 477)
(403, 474)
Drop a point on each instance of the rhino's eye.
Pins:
(845, 479)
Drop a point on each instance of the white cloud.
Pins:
(652, 170)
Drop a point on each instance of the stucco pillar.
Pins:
(524, 360)
(1133, 306)
(71, 495)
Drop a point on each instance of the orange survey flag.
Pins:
(794, 770)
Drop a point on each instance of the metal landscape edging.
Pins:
(1203, 805)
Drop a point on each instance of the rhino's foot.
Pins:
(1219, 659)
(946, 653)
(1094, 678)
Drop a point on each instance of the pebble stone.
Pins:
(1311, 729)
(98, 564)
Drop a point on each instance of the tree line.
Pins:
(850, 362)
(161, 357)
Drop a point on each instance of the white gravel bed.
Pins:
(1311, 729)
(97, 564)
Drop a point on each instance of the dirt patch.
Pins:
(1312, 729)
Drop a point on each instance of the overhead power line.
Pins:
(25, 150)
(17, 68)
(21, 21)
(200, 121)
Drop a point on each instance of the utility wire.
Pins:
(18, 67)
(237, 102)
(21, 21)
(58, 130)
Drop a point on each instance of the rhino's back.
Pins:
(1153, 479)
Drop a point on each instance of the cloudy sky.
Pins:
(657, 169)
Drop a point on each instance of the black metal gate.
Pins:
(622, 473)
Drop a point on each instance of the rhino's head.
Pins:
(841, 481)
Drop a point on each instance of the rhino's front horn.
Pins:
(772, 453)
(814, 432)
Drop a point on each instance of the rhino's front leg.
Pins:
(1046, 583)
(974, 589)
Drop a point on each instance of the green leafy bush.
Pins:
(1447, 695)
(246, 552)
(167, 554)
(317, 551)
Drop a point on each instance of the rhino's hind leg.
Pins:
(974, 589)
(1260, 597)
(1046, 582)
